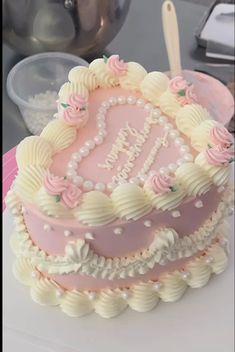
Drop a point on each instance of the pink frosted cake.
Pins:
(120, 202)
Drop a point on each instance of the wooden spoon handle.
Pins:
(171, 35)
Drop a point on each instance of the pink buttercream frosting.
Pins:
(183, 90)
(176, 84)
(54, 185)
(70, 197)
(75, 113)
(77, 101)
(219, 155)
(117, 66)
(161, 183)
(221, 136)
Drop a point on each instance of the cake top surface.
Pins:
(123, 142)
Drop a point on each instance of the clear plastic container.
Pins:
(34, 82)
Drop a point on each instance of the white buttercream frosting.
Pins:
(84, 76)
(69, 88)
(165, 201)
(143, 298)
(105, 78)
(109, 304)
(96, 209)
(28, 182)
(200, 273)
(166, 239)
(59, 134)
(43, 291)
(191, 116)
(13, 202)
(169, 104)
(130, 202)
(218, 174)
(15, 244)
(34, 150)
(140, 297)
(173, 287)
(134, 76)
(194, 179)
(48, 205)
(22, 270)
(200, 135)
(219, 259)
(76, 304)
(154, 85)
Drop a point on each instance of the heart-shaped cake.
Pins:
(121, 199)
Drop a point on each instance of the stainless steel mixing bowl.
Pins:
(80, 27)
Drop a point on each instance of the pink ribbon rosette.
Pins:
(161, 183)
(183, 91)
(116, 66)
(75, 112)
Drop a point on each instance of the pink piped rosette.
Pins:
(75, 111)
(63, 190)
(219, 155)
(161, 183)
(219, 135)
(183, 91)
(115, 65)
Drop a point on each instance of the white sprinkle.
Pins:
(157, 286)
(89, 236)
(100, 186)
(131, 100)
(125, 295)
(176, 214)
(35, 274)
(220, 189)
(67, 233)
(47, 227)
(88, 185)
(148, 223)
(91, 296)
(198, 204)
(78, 180)
(140, 103)
(209, 260)
(185, 275)
(118, 231)
(121, 100)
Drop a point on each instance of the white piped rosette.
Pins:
(130, 201)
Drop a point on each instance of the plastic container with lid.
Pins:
(34, 82)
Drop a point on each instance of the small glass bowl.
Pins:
(33, 84)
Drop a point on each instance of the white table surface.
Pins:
(202, 320)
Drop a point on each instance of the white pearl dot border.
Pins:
(89, 145)
(47, 228)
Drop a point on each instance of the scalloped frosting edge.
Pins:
(141, 297)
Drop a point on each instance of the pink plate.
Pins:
(213, 95)
(9, 172)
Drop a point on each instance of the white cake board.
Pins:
(201, 321)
